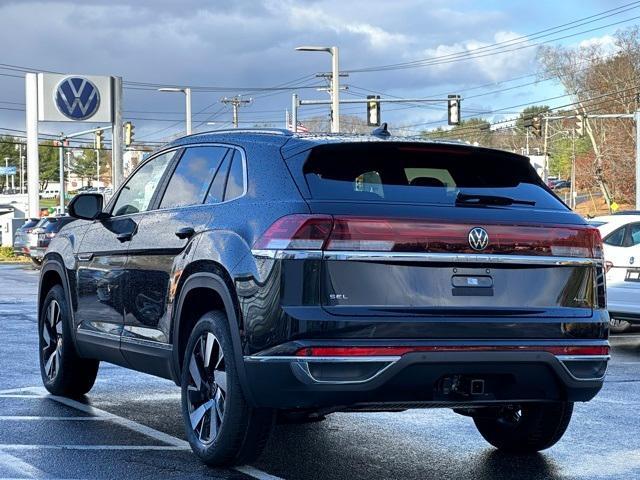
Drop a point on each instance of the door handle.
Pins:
(185, 232)
(124, 237)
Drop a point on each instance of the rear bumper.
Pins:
(421, 379)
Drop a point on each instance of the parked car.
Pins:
(42, 234)
(623, 300)
(21, 240)
(621, 242)
(268, 273)
(560, 184)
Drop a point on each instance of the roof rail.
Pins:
(265, 131)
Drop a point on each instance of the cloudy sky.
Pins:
(229, 47)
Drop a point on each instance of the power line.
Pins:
(503, 46)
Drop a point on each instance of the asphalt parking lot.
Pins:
(130, 426)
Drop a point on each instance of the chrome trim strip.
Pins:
(428, 257)
(460, 258)
(573, 358)
(146, 343)
(563, 358)
(288, 254)
(303, 369)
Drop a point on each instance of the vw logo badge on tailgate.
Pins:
(478, 238)
(77, 98)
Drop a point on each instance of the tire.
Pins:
(36, 263)
(221, 427)
(528, 428)
(63, 371)
(619, 326)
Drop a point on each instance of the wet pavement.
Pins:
(130, 426)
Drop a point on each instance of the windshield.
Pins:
(414, 173)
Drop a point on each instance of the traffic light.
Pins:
(373, 110)
(98, 140)
(536, 126)
(128, 134)
(453, 113)
(579, 125)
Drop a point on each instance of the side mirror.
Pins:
(86, 206)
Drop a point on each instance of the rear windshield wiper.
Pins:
(472, 199)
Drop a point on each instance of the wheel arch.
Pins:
(210, 279)
(54, 273)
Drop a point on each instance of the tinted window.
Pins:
(192, 177)
(137, 193)
(55, 224)
(235, 180)
(216, 192)
(421, 173)
(615, 238)
(634, 233)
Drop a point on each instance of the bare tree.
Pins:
(598, 82)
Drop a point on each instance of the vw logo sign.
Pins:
(77, 98)
(478, 238)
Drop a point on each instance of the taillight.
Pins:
(296, 232)
(372, 234)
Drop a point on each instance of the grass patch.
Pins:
(7, 255)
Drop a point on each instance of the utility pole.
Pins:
(6, 173)
(21, 170)
(236, 102)
(572, 189)
(637, 121)
(61, 166)
(545, 171)
(294, 112)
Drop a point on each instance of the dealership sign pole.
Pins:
(33, 163)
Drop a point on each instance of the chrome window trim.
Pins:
(245, 182)
(428, 257)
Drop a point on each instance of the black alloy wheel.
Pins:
(53, 343)
(207, 388)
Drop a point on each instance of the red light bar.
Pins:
(396, 351)
(370, 234)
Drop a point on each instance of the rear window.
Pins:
(421, 174)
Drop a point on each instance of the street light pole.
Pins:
(335, 91)
(6, 173)
(187, 94)
(335, 83)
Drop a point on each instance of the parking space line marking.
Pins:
(20, 418)
(125, 422)
(175, 443)
(91, 447)
(18, 465)
(255, 473)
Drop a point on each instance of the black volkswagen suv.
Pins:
(274, 274)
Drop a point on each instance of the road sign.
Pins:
(74, 98)
(8, 170)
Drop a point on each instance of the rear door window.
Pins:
(416, 173)
(235, 179)
(193, 176)
(615, 238)
(634, 234)
(216, 190)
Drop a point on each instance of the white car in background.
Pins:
(621, 241)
